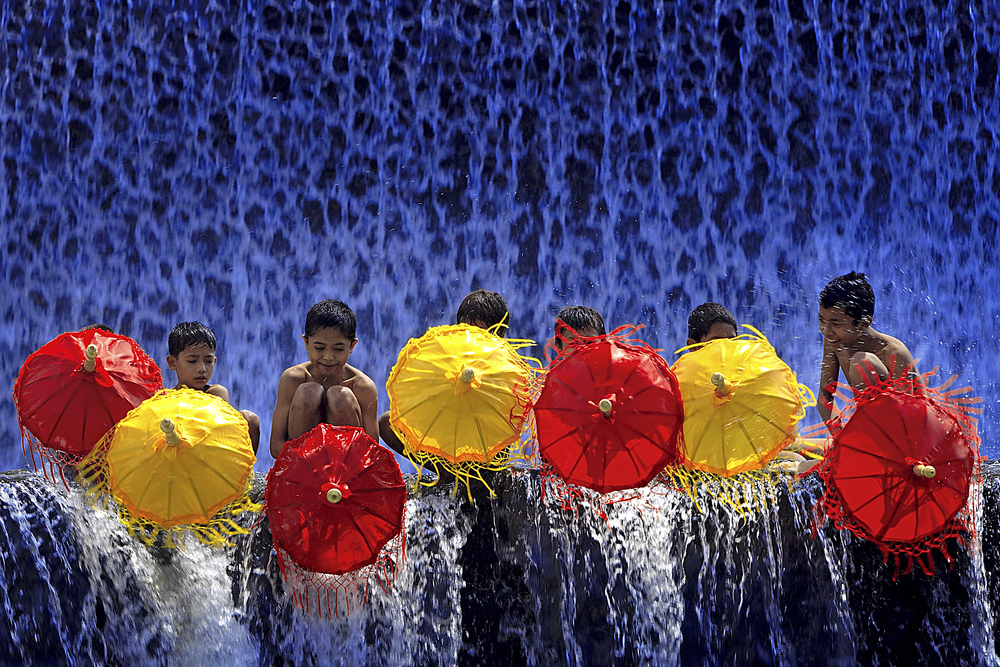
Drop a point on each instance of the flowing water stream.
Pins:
(235, 162)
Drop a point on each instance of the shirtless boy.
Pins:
(324, 389)
(850, 345)
(191, 347)
(481, 308)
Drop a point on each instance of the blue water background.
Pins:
(234, 163)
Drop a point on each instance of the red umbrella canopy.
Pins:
(334, 498)
(72, 390)
(609, 415)
(901, 467)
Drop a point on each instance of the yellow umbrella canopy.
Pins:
(741, 404)
(178, 458)
(459, 393)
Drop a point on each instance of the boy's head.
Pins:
(192, 354)
(485, 310)
(710, 321)
(579, 321)
(330, 336)
(852, 293)
(332, 314)
(846, 307)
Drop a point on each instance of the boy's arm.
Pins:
(220, 391)
(279, 420)
(367, 395)
(903, 361)
(829, 372)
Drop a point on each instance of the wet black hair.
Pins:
(851, 292)
(579, 318)
(186, 334)
(335, 315)
(704, 316)
(486, 307)
(102, 327)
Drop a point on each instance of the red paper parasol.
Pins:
(72, 390)
(609, 414)
(334, 499)
(899, 472)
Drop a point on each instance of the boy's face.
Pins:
(194, 365)
(328, 350)
(838, 328)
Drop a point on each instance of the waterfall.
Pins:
(234, 163)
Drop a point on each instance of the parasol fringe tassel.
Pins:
(328, 595)
(465, 473)
(93, 476)
(746, 492)
(571, 497)
(50, 462)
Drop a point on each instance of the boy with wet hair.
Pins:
(710, 321)
(846, 309)
(578, 321)
(191, 347)
(485, 310)
(480, 308)
(324, 389)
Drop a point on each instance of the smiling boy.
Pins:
(191, 347)
(324, 389)
(846, 308)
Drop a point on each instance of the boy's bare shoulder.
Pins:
(358, 380)
(894, 354)
(296, 374)
(218, 390)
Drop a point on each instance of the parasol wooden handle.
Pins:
(922, 470)
(722, 388)
(90, 358)
(605, 406)
(334, 493)
(169, 429)
(468, 374)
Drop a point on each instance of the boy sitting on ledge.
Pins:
(191, 347)
(846, 308)
(324, 389)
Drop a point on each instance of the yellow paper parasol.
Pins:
(741, 404)
(179, 460)
(459, 396)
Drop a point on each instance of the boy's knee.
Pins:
(253, 421)
(338, 398)
(308, 395)
(342, 407)
(253, 426)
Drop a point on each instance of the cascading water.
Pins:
(236, 162)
